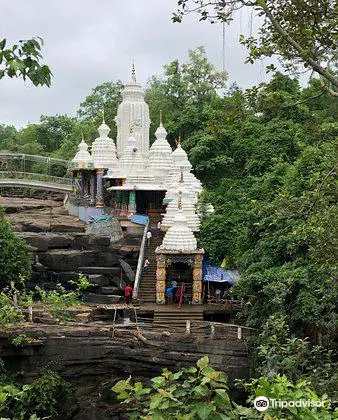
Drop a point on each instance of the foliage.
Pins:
(8, 313)
(37, 400)
(182, 92)
(277, 353)
(14, 254)
(192, 393)
(201, 393)
(20, 340)
(102, 102)
(60, 298)
(275, 207)
(280, 388)
(22, 60)
(302, 32)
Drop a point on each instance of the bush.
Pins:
(14, 254)
(200, 392)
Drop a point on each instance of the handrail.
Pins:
(139, 268)
(35, 177)
(34, 158)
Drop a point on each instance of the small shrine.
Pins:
(179, 246)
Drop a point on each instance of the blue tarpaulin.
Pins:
(218, 274)
(139, 219)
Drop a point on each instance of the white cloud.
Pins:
(88, 42)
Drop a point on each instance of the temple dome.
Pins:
(103, 149)
(160, 160)
(131, 163)
(179, 236)
(180, 158)
(82, 159)
(188, 202)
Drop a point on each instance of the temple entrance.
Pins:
(150, 202)
(180, 274)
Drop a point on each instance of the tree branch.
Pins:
(316, 66)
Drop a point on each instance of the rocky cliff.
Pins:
(93, 359)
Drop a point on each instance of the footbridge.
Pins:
(34, 180)
(32, 171)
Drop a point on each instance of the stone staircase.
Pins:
(147, 291)
(174, 318)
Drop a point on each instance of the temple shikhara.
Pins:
(134, 181)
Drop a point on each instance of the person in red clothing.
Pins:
(128, 291)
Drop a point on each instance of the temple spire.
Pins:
(133, 73)
(161, 117)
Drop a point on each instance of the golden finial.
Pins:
(179, 200)
(133, 73)
(103, 119)
(82, 137)
(161, 117)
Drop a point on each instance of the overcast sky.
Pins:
(88, 42)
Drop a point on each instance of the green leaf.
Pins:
(204, 410)
(203, 363)
(120, 386)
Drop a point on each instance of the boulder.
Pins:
(65, 276)
(102, 299)
(37, 226)
(112, 271)
(66, 227)
(110, 290)
(40, 241)
(98, 280)
(59, 240)
(73, 259)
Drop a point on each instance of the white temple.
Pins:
(140, 179)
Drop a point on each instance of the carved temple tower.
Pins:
(133, 117)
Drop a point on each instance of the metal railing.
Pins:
(139, 268)
(33, 158)
(35, 177)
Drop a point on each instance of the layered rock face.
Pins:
(93, 360)
(63, 248)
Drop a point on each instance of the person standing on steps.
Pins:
(128, 291)
(159, 225)
(146, 265)
(149, 236)
(169, 295)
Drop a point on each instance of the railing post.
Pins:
(212, 330)
(139, 268)
(239, 333)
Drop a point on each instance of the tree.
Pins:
(43, 396)
(278, 353)
(275, 204)
(102, 101)
(14, 254)
(53, 130)
(182, 93)
(22, 60)
(302, 32)
(8, 134)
